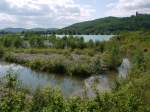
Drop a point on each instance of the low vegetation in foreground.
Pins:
(129, 95)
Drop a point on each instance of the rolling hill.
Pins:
(13, 30)
(19, 30)
(109, 25)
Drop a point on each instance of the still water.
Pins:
(91, 37)
(68, 85)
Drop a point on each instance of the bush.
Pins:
(10, 57)
(78, 69)
(1, 51)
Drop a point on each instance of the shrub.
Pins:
(10, 57)
(1, 51)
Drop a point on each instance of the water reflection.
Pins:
(68, 85)
(124, 68)
(34, 79)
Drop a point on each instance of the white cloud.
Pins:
(7, 18)
(128, 7)
(42, 13)
(110, 5)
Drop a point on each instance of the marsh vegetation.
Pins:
(74, 57)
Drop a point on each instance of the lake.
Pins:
(91, 37)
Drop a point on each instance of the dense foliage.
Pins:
(34, 40)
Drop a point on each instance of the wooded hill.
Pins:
(109, 25)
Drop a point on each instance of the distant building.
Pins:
(139, 14)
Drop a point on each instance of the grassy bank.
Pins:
(70, 64)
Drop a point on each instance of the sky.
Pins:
(61, 13)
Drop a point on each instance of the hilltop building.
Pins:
(140, 14)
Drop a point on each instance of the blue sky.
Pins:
(100, 6)
(61, 13)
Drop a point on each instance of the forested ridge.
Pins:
(109, 25)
